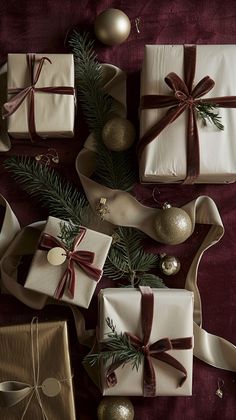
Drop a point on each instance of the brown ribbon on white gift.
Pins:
(125, 210)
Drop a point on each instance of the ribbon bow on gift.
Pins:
(83, 259)
(20, 94)
(184, 97)
(156, 350)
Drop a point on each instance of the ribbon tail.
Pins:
(149, 379)
(171, 115)
(170, 360)
(70, 287)
(61, 286)
(14, 103)
(193, 153)
(93, 272)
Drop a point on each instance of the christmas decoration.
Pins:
(118, 134)
(173, 225)
(113, 169)
(112, 27)
(169, 265)
(115, 408)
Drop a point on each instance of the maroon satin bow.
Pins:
(20, 94)
(156, 350)
(184, 97)
(83, 259)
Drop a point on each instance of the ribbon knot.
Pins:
(184, 97)
(83, 259)
(157, 350)
(20, 94)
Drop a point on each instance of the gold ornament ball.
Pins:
(118, 134)
(115, 408)
(169, 265)
(112, 27)
(172, 225)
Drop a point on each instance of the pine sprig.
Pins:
(44, 184)
(208, 114)
(113, 169)
(127, 259)
(68, 233)
(95, 102)
(117, 349)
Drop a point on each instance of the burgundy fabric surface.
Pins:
(41, 26)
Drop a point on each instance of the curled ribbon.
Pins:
(184, 97)
(157, 350)
(12, 392)
(83, 259)
(20, 94)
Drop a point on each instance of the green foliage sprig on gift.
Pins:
(117, 348)
(207, 113)
(113, 169)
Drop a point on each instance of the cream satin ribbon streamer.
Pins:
(9, 227)
(125, 210)
(12, 392)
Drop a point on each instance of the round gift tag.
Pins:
(56, 256)
(51, 387)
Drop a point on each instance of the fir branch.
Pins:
(206, 112)
(44, 184)
(95, 102)
(68, 233)
(117, 349)
(127, 260)
(114, 169)
(151, 280)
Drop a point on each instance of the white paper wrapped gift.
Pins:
(47, 278)
(54, 112)
(164, 159)
(172, 319)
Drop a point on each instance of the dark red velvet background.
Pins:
(40, 26)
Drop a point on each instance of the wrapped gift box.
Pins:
(164, 159)
(54, 113)
(45, 277)
(172, 318)
(17, 367)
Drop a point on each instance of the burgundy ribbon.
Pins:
(20, 94)
(156, 350)
(83, 259)
(184, 98)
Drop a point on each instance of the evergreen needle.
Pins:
(208, 114)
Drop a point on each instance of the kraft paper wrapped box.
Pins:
(164, 159)
(84, 269)
(53, 108)
(172, 318)
(18, 345)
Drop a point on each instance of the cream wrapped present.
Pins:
(36, 379)
(159, 325)
(70, 274)
(175, 145)
(41, 97)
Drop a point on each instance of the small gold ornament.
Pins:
(102, 208)
(118, 134)
(172, 225)
(169, 265)
(112, 27)
(115, 408)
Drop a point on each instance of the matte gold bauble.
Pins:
(112, 27)
(172, 225)
(169, 265)
(118, 134)
(115, 408)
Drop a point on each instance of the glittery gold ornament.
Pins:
(115, 408)
(112, 27)
(169, 265)
(118, 134)
(172, 225)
